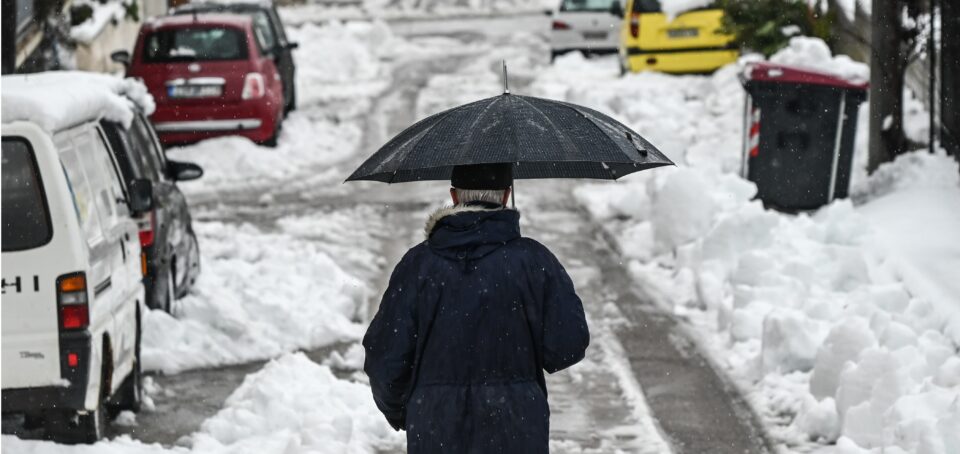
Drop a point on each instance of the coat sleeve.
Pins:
(565, 332)
(390, 345)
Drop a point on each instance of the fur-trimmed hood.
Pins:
(470, 232)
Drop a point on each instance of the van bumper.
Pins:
(71, 396)
(680, 60)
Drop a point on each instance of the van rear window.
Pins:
(26, 219)
(195, 44)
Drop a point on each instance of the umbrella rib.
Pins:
(468, 146)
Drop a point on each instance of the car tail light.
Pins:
(73, 359)
(560, 25)
(635, 25)
(147, 225)
(253, 86)
(72, 300)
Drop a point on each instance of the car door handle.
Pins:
(123, 249)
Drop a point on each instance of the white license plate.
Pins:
(194, 91)
(595, 36)
(683, 33)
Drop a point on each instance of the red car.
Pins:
(210, 75)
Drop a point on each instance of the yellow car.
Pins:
(690, 43)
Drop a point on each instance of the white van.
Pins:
(72, 290)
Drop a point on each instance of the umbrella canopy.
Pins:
(540, 137)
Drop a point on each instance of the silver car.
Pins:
(588, 26)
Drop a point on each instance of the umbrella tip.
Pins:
(506, 86)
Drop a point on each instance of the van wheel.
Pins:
(73, 427)
(130, 394)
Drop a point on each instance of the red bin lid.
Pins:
(772, 72)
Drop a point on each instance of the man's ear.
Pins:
(453, 195)
(506, 196)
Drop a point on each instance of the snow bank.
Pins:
(60, 99)
(322, 10)
(292, 405)
(840, 324)
(277, 292)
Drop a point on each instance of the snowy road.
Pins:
(642, 388)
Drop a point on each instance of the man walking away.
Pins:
(470, 320)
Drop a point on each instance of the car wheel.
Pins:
(131, 391)
(169, 291)
(193, 264)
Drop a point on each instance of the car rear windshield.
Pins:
(195, 43)
(587, 5)
(653, 6)
(26, 220)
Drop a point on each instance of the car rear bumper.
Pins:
(183, 123)
(72, 396)
(239, 124)
(680, 60)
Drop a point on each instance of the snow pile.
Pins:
(292, 405)
(323, 10)
(841, 325)
(813, 53)
(104, 12)
(61, 99)
(340, 62)
(278, 293)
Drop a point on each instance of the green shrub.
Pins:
(759, 24)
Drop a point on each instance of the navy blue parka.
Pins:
(470, 320)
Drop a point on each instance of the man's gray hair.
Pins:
(480, 195)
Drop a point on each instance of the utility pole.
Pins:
(950, 76)
(887, 61)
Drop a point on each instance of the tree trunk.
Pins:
(950, 76)
(887, 64)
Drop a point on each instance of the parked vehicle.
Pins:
(690, 43)
(588, 26)
(72, 277)
(267, 23)
(211, 75)
(169, 244)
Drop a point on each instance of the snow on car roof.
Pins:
(201, 18)
(61, 99)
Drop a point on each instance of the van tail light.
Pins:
(560, 25)
(635, 25)
(253, 86)
(72, 301)
(148, 227)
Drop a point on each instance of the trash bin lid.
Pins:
(776, 73)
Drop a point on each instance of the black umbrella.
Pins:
(540, 137)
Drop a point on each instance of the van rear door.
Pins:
(695, 29)
(31, 351)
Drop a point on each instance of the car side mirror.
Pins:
(616, 9)
(122, 57)
(183, 171)
(140, 194)
(293, 46)
(548, 12)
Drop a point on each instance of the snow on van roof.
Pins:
(61, 99)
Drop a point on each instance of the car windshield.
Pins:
(26, 222)
(587, 5)
(195, 43)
